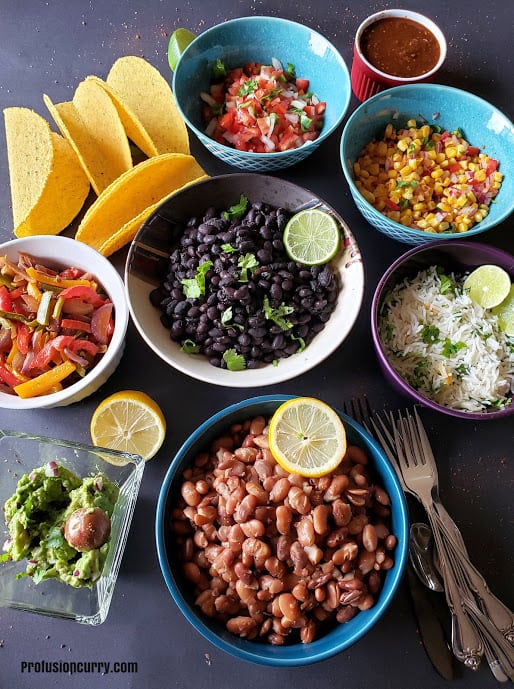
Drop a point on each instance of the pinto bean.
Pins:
(369, 538)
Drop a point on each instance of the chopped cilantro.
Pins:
(218, 69)
(234, 361)
(247, 87)
(195, 287)
(228, 248)
(277, 315)
(446, 283)
(450, 348)
(301, 343)
(290, 71)
(248, 262)
(430, 334)
(190, 347)
(238, 210)
(305, 122)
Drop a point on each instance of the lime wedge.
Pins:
(487, 285)
(179, 41)
(505, 313)
(312, 237)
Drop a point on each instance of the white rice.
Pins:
(421, 329)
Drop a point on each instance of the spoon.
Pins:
(420, 553)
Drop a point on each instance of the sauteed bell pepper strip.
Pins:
(54, 326)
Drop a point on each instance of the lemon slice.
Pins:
(505, 313)
(307, 437)
(312, 237)
(129, 421)
(487, 285)
(179, 41)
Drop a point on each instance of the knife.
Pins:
(430, 627)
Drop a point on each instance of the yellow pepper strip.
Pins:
(57, 281)
(43, 383)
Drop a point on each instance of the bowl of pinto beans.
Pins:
(63, 319)
(240, 564)
(261, 93)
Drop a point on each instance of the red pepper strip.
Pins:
(44, 356)
(73, 324)
(82, 292)
(7, 377)
(84, 346)
(392, 205)
(5, 299)
(23, 337)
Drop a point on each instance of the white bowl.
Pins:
(148, 257)
(61, 252)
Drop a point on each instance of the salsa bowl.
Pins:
(262, 39)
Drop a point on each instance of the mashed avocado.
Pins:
(36, 516)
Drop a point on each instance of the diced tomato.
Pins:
(473, 150)
(72, 324)
(302, 85)
(454, 168)
(492, 166)
(226, 121)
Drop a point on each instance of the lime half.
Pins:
(312, 237)
(505, 313)
(487, 285)
(179, 41)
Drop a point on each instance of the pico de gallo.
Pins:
(54, 326)
(261, 108)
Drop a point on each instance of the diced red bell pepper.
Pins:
(82, 292)
(392, 205)
(5, 299)
(8, 377)
(23, 337)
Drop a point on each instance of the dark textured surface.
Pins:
(49, 47)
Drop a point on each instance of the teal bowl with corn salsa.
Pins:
(299, 65)
(453, 114)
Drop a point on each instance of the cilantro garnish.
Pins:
(248, 262)
(190, 347)
(450, 348)
(226, 319)
(430, 334)
(446, 283)
(228, 248)
(218, 69)
(301, 343)
(248, 87)
(277, 315)
(305, 122)
(195, 287)
(234, 361)
(237, 210)
(290, 71)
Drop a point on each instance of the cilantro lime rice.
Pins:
(444, 345)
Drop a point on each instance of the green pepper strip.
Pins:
(11, 316)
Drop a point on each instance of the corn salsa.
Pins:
(427, 178)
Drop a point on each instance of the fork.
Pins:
(486, 628)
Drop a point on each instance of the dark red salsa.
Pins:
(400, 47)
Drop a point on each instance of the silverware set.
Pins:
(481, 625)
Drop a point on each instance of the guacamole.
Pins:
(37, 514)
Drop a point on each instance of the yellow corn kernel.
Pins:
(406, 170)
(418, 207)
(403, 144)
(394, 215)
(480, 176)
(422, 224)
(462, 227)
(388, 131)
(356, 168)
(451, 151)
(436, 174)
(424, 131)
(411, 123)
(374, 169)
(368, 195)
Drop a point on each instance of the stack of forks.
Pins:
(481, 624)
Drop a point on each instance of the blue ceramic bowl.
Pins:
(483, 125)
(259, 39)
(340, 637)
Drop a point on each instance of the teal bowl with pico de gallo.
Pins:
(261, 93)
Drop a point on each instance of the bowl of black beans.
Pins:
(213, 292)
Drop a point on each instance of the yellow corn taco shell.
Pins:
(127, 233)
(92, 125)
(146, 103)
(132, 193)
(48, 184)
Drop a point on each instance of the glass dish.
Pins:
(20, 453)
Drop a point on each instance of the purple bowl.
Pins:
(457, 256)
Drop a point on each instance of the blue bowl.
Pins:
(340, 637)
(483, 125)
(259, 39)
